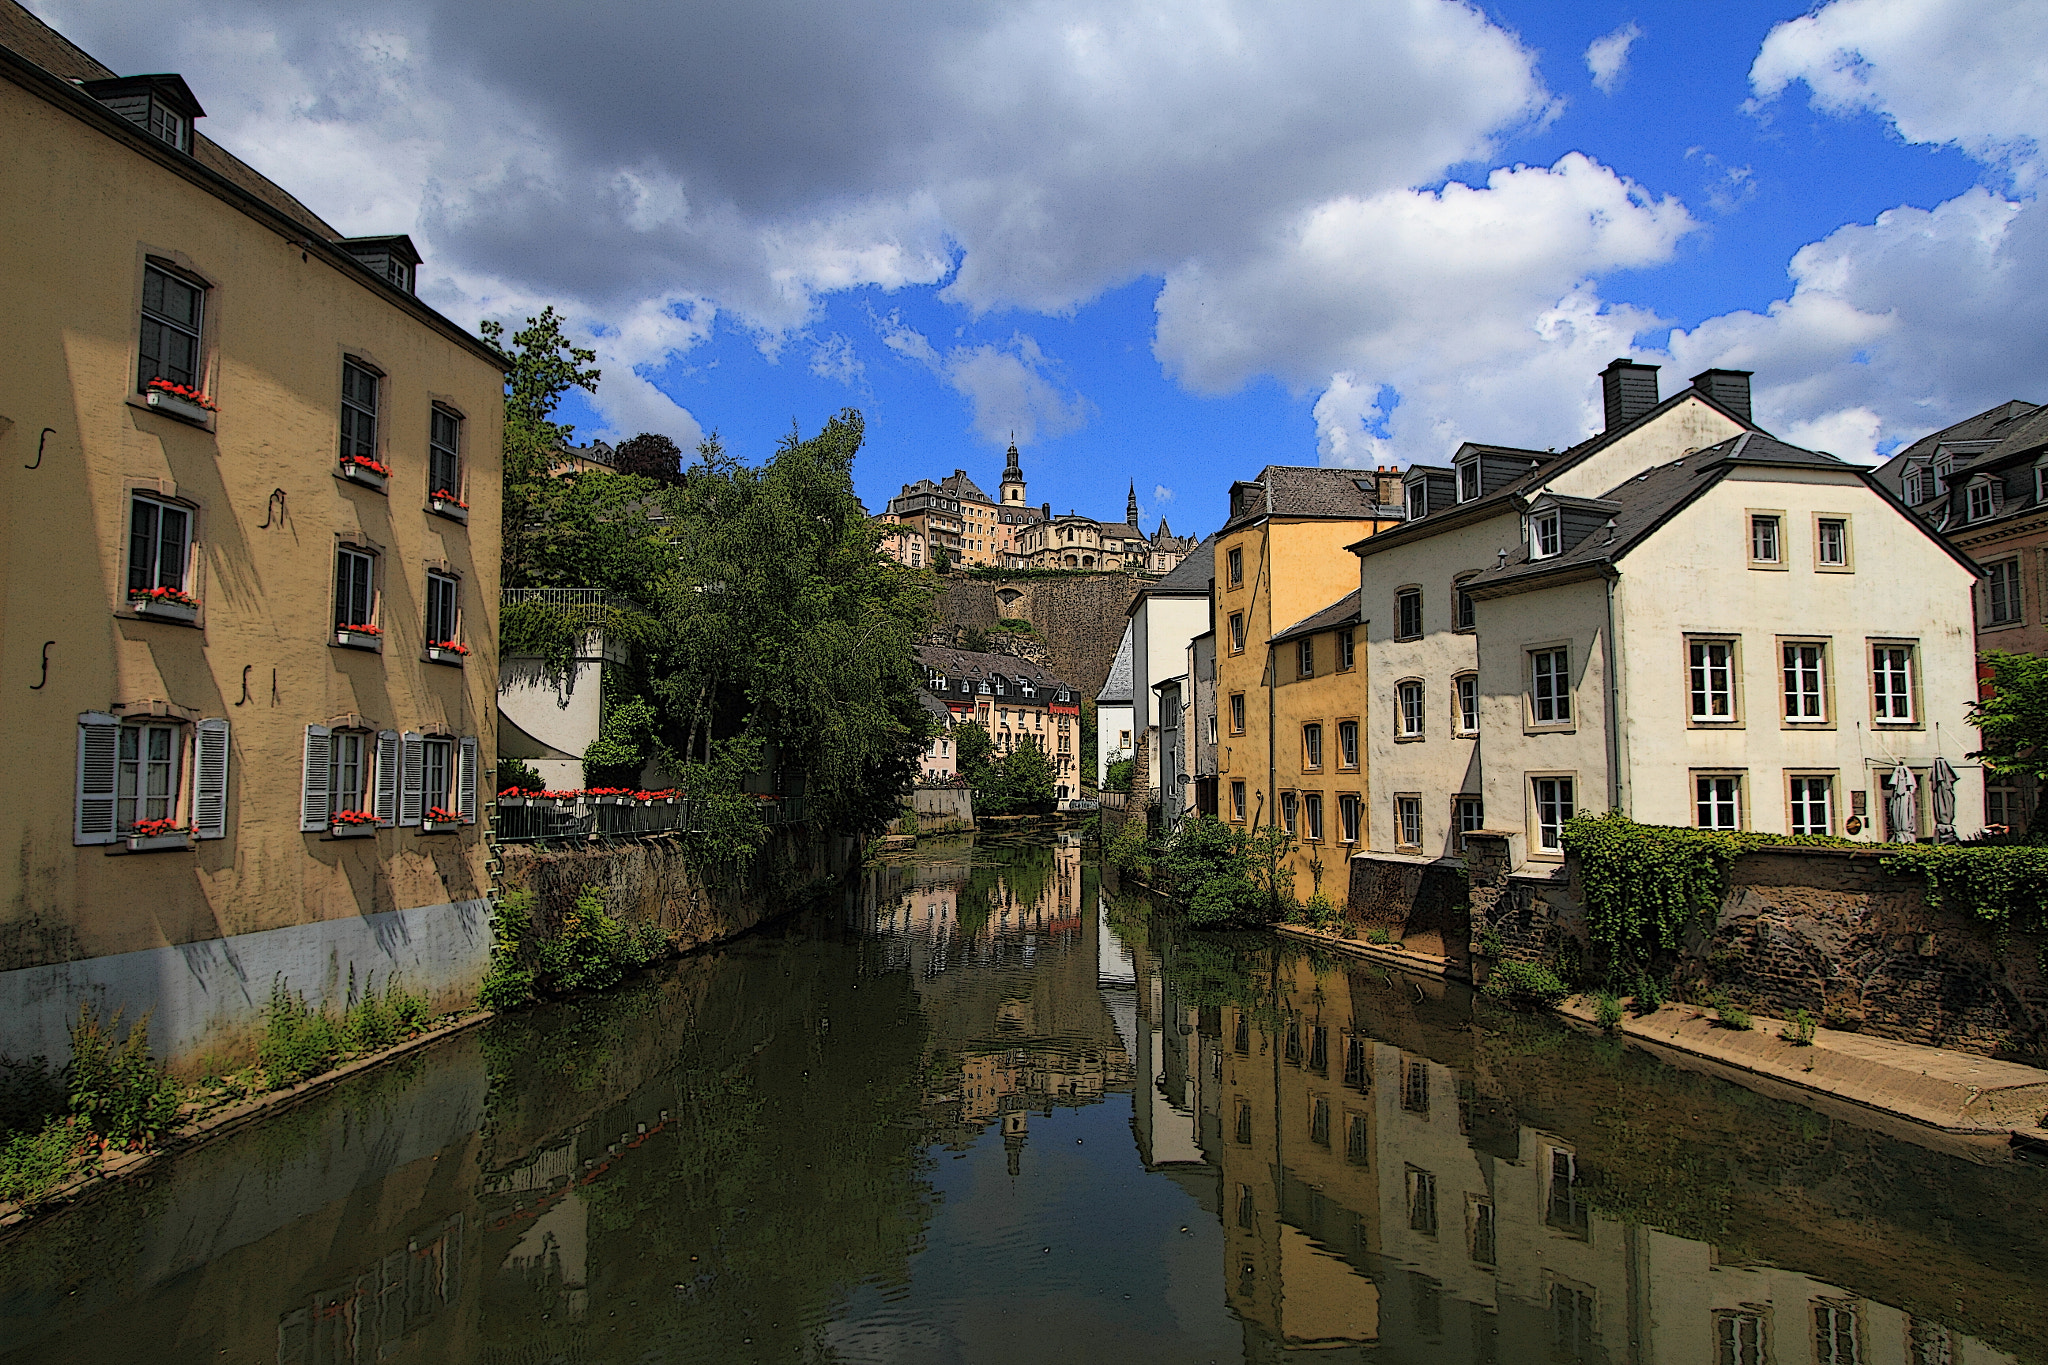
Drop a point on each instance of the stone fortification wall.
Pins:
(1081, 619)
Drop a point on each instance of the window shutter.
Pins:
(386, 801)
(413, 771)
(465, 783)
(315, 801)
(210, 786)
(99, 752)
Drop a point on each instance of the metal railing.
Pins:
(544, 822)
(566, 597)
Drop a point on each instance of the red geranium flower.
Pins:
(192, 396)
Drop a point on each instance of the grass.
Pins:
(1607, 1012)
(1799, 1029)
(300, 1042)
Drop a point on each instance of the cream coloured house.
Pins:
(1682, 618)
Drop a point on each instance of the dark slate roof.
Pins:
(963, 663)
(1116, 688)
(1294, 490)
(2023, 436)
(960, 486)
(1995, 443)
(935, 706)
(1190, 577)
(1991, 424)
(1343, 612)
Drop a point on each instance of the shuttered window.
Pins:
(412, 779)
(210, 780)
(316, 779)
(465, 782)
(99, 738)
(387, 778)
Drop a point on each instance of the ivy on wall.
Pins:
(2003, 885)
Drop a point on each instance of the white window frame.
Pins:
(448, 449)
(1766, 528)
(1289, 804)
(443, 588)
(1402, 598)
(1415, 499)
(1347, 745)
(1845, 557)
(142, 578)
(1553, 800)
(1893, 679)
(1978, 503)
(1312, 816)
(1546, 535)
(1468, 473)
(1468, 814)
(193, 331)
(1707, 680)
(1312, 746)
(1349, 809)
(1305, 657)
(1803, 689)
(1408, 820)
(1800, 800)
(1465, 703)
(1718, 801)
(349, 561)
(2003, 583)
(1551, 665)
(132, 805)
(1410, 707)
(361, 391)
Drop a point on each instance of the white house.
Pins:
(1113, 730)
(1681, 618)
(1165, 616)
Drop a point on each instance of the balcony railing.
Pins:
(584, 820)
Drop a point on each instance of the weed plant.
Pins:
(299, 1042)
(1799, 1029)
(1524, 983)
(111, 1094)
(1607, 1012)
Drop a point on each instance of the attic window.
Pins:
(161, 106)
(1982, 501)
(1545, 536)
(1468, 480)
(1417, 495)
(394, 259)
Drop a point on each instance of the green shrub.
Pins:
(1607, 1012)
(509, 982)
(908, 823)
(1117, 777)
(116, 1088)
(593, 951)
(513, 773)
(1523, 983)
(34, 1161)
(1737, 1018)
(1379, 933)
(298, 1041)
(1224, 874)
(1320, 913)
(379, 1021)
(1799, 1029)
(1127, 848)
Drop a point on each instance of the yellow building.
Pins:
(1289, 660)
(249, 588)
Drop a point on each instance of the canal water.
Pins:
(983, 1111)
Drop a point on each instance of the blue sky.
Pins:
(1167, 243)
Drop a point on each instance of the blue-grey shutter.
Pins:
(413, 785)
(387, 779)
(315, 799)
(210, 782)
(465, 782)
(99, 767)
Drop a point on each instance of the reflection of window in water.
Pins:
(1292, 1044)
(1247, 1209)
(1319, 1049)
(1244, 1121)
(1242, 1041)
(1482, 1241)
(1741, 1336)
(1468, 1093)
(1354, 1063)
(1564, 1209)
(1357, 1142)
(1421, 1201)
(1427, 1298)
(1247, 1276)
(1414, 1085)
(1928, 1343)
(1571, 1322)
(1319, 1122)
(1837, 1332)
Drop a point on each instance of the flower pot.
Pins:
(359, 639)
(184, 613)
(436, 654)
(441, 507)
(614, 800)
(439, 826)
(351, 831)
(506, 801)
(155, 843)
(173, 406)
(368, 478)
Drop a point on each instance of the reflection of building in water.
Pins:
(1374, 1201)
(371, 1316)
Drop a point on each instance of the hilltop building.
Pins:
(1015, 701)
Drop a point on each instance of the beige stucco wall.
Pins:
(1691, 425)
(83, 210)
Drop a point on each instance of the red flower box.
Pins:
(181, 393)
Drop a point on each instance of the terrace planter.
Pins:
(614, 800)
(358, 639)
(351, 831)
(159, 843)
(351, 472)
(444, 507)
(157, 609)
(440, 826)
(438, 655)
(170, 405)
(505, 801)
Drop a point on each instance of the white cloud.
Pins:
(1014, 391)
(1161, 493)
(1607, 57)
(1966, 72)
(835, 358)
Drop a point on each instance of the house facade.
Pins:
(1017, 702)
(1317, 711)
(1164, 617)
(1682, 618)
(250, 583)
(1115, 735)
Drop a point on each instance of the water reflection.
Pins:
(979, 1112)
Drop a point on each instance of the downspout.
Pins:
(1617, 773)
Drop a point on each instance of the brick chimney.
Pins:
(1729, 388)
(1628, 390)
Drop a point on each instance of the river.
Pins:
(983, 1112)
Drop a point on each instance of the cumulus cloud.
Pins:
(1014, 391)
(1607, 57)
(1161, 493)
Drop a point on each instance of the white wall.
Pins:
(1160, 631)
(1110, 722)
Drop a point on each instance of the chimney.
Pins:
(1729, 388)
(1629, 390)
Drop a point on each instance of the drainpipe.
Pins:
(1618, 796)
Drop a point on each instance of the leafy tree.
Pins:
(543, 367)
(1226, 874)
(971, 745)
(2013, 719)
(1118, 776)
(942, 559)
(1021, 784)
(651, 456)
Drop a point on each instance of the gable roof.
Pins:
(960, 486)
(1343, 612)
(1294, 490)
(1116, 688)
(966, 663)
(1190, 577)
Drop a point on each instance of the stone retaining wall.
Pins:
(1417, 904)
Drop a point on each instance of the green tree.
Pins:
(650, 455)
(542, 367)
(971, 745)
(2013, 719)
(1021, 784)
(942, 559)
(1225, 874)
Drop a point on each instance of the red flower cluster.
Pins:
(441, 815)
(150, 829)
(578, 793)
(178, 595)
(452, 646)
(352, 817)
(365, 462)
(443, 495)
(192, 396)
(364, 629)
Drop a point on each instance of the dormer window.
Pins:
(395, 259)
(161, 106)
(1979, 496)
(1468, 480)
(1417, 500)
(2041, 483)
(1546, 536)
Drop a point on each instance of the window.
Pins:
(1462, 609)
(443, 593)
(1414, 1085)
(1469, 813)
(1711, 669)
(1348, 806)
(1831, 542)
(1465, 702)
(1468, 480)
(1319, 1122)
(2003, 806)
(1483, 1233)
(2041, 483)
(1247, 1209)
(1408, 821)
(1237, 801)
(1312, 746)
(1739, 1337)
(1408, 613)
(1571, 1322)
(349, 767)
(1237, 632)
(1305, 660)
(2002, 588)
(439, 773)
(1550, 687)
(1763, 540)
(172, 309)
(1421, 1202)
(1347, 651)
(1546, 536)
(1408, 710)
(1979, 501)
(1805, 682)
(159, 543)
(355, 597)
(1563, 1209)
(1347, 744)
(148, 774)
(358, 411)
(1717, 801)
(1891, 684)
(1813, 805)
(1288, 802)
(1357, 1140)
(1312, 817)
(1837, 1333)
(1212, 727)
(1417, 496)
(1241, 1036)
(1554, 806)
(1236, 561)
(444, 446)
(1236, 716)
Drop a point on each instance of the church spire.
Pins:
(1013, 477)
(1131, 505)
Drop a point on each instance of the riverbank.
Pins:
(1953, 1092)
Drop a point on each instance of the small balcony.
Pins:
(367, 473)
